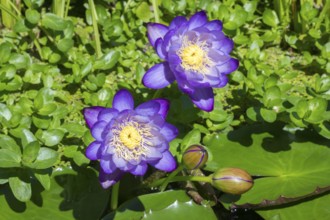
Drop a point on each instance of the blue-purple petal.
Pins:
(228, 67)
(148, 108)
(140, 169)
(164, 106)
(169, 131)
(107, 164)
(167, 163)
(91, 114)
(123, 100)
(107, 114)
(108, 180)
(156, 31)
(197, 20)
(203, 98)
(160, 49)
(214, 25)
(158, 76)
(177, 22)
(93, 150)
(98, 129)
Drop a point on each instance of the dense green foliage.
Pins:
(272, 119)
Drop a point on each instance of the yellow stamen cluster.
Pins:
(130, 139)
(194, 56)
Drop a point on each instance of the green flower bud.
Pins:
(232, 180)
(194, 157)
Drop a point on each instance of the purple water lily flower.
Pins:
(128, 139)
(195, 54)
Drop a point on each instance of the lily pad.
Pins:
(290, 165)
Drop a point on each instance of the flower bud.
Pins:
(232, 180)
(194, 157)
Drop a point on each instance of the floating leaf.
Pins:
(298, 164)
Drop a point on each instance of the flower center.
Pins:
(130, 137)
(194, 56)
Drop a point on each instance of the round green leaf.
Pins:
(52, 137)
(30, 152)
(9, 158)
(45, 159)
(268, 115)
(270, 18)
(9, 143)
(5, 112)
(53, 22)
(298, 164)
(107, 61)
(33, 16)
(65, 44)
(21, 189)
(163, 204)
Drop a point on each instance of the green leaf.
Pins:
(272, 97)
(27, 137)
(5, 112)
(30, 152)
(181, 210)
(268, 115)
(21, 189)
(298, 164)
(9, 158)
(5, 51)
(45, 159)
(72, 196)
(316, 110)
(52, 137)
(143, 12)
(143, 205)
(33, 16)
(315, 208)
(65, 44)
(270, 18)
(193, 137)
(43, 176)
(9, 143)
(107, 61)
(53, 22)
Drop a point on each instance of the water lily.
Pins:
(128, 139)
(195, 54)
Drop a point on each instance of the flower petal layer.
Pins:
(158, 76)
(123, 100)
(167, 163)
(93, 150)
(91, 114)
(108, 180)
(156, 31)
(203, 98)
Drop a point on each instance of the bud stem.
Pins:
(171, 176)
(207, 179)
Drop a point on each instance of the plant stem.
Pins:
(95, 28)
(171, 176)
(114, 196)
(157, 94)
(155, 6)
(182, 178)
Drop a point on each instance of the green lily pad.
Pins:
(290, 165)
(163, 203)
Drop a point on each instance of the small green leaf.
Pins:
(43, 176)
(45, 159)
(5, 112)
(21, 189)
(9, 143)
(193, 137)
(30, 152)
(270, 18)
(53, 22)
(65, 44)
(33, 16)
(268, 115)
(27, 137)
(5, 51)
(107, 61)
(143, 12)
(52, 137)
(9, 158)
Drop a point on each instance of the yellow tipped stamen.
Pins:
(194, 56)
(130, 137)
